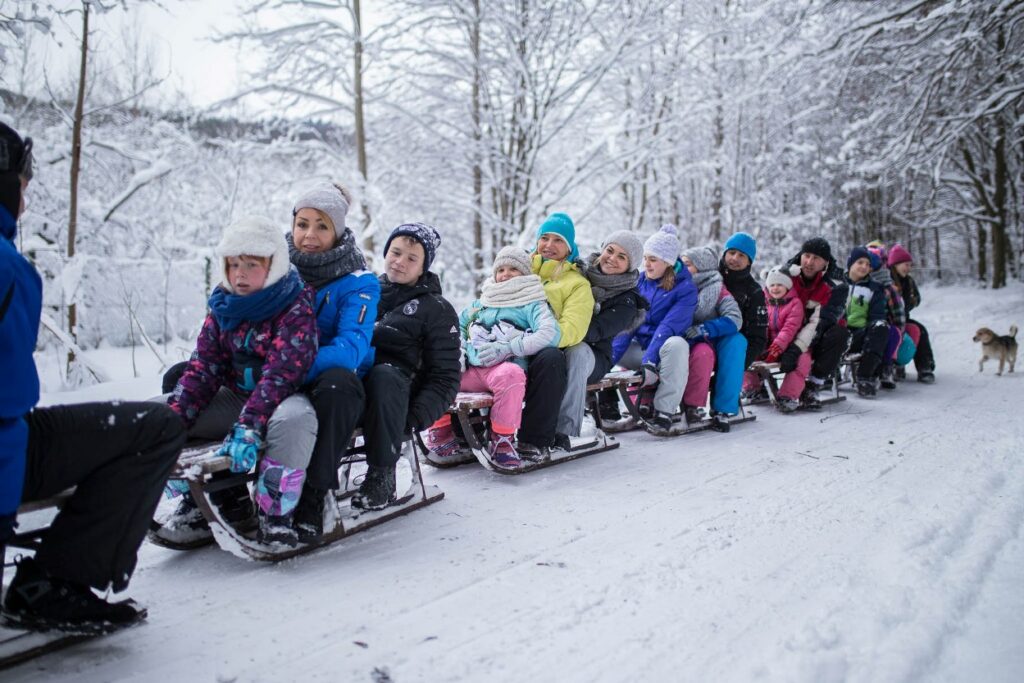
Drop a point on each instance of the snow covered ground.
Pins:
(875, 541)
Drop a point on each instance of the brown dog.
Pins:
(1003, 347)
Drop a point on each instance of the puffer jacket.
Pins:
(535, 320)
(751, 300)
(346, 309)
(670, 315)
(829, 289)
(785, 319)
(865, 304)
(569, 295)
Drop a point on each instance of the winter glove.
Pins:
(648, 375)
(506, 331)
(697, 333)
(773, 353)
(243, 445)
(492, 353)
(789, 357)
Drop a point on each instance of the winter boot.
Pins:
(503, 452)
(308, 518)
(442, 442)
(533, 453)
(901, 373)
(720, 422)
(608, 405)
(277, 493)
(234, 504)
(755, 395)
(694, 415)
(377, 490)
(660, 424)
(926, 377)
(37, 601)
(809, 397)
(186, 525)
(645, 403)
(888, 377)
(562, 443)
(867, 387)
(787, 405)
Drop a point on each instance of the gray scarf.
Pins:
(604, 286)
(709, 289)
(518, 291)
(326, 266)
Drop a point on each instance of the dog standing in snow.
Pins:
(1003, 347)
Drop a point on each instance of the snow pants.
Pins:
(731, 353)
(792, 384)
(337, 396)
(580, 362)
(892, 345)
(870, 341)
(118, 456)
(673, 371)
(924, 359)
(546, 377)
(384, 418)
(506, 382)
(827, 352)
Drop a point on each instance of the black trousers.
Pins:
(338, 397)
(924, 359)
(171, 377)
(546, 376)
(870, 341)
(827, 351)
(119, 456)
(387, 408)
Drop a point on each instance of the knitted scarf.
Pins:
(519, 291)
(231, 310)
(604, 286)
(326, 266)
(709, 289)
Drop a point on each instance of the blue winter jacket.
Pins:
(671, 314)
(21, 298)
(346, 309)
(536, 321)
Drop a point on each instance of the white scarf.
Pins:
(519, 291)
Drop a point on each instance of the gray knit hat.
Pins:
(630, 243)
(663, 244)
(332, 200)
(702, 258)
(516, 257)
(777, 276)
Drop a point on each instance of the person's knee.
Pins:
(337, 383)
(548, 360)
(382, 379)
(168, 427)
(509, 375)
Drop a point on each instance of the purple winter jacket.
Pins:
(286, 344)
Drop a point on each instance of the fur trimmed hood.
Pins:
(254, 236)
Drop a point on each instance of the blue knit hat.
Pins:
(560, 224)
(858, 253)
(744, 242)
(422, 233)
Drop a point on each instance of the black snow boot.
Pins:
(867, 388)
(720, 422)
(234, 504)
(186, 525)
(809, 397)
(660, 424)
(40, 602)
(309, 514)
(608, 405)
(377, 490)
(888, 377)
(276, 529)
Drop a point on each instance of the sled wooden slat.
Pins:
(56, 501)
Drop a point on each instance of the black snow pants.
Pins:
(870, 342)
(384, 418)
(924, 359)
(337, 396)
(118, 456)
(827, 351)
(546, 377)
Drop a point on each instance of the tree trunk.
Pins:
(938, 255)
(478, 173)
(76, 163)
(982, 253)
(1000, 178)
(357, 84)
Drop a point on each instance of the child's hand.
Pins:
(789, 357)
(697, 333)
(493, 353)
(243, 445)
(774, 351)
(648, 375)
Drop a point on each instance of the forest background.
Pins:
(899, 120)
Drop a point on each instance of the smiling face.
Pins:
(247, 274)
(777, 291)
(902, 269)
(312, 232)
(811, 264)
(654, 267)
(689, 265)
(502, 273)
(736, 259)
(613, 260)
(860, 268)
(403, 264)
(552, 246)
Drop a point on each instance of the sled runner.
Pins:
(468, 413)
(770, 376)
(198, 465)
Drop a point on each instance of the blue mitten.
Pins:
(697, 333)
(243, 445)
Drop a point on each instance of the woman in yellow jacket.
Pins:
(572, 301)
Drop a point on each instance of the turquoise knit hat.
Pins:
(560, 224)
(743, 242)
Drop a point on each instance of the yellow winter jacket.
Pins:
(569, 295)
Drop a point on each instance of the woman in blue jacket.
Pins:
(657, 348)
(328, 258)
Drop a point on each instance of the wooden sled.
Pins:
(771, 377)
(197, 466)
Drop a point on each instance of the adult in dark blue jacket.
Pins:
(657, 348)
(117, 456)
(325, 251)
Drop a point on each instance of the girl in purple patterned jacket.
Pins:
(251, 357)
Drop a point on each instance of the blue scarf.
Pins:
(231, 310)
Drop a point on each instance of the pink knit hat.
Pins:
(899, 254)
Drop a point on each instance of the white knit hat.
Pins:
(778, 276)
(330, 199)
(516, 257)
(664, 244)
(254, 236)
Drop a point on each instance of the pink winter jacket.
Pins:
(785, 318)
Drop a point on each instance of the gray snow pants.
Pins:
(579, 360)
(674, 369)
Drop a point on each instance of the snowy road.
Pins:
(875, 541)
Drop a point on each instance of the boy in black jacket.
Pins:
(413, 368)
(740, 250)
(866, 318)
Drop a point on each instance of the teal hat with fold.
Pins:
(560, 224)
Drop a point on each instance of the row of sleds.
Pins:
(203, 473)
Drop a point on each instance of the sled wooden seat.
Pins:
(30, 538)
(771, 376)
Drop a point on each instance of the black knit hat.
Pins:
(422, 233)
(818, 246)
